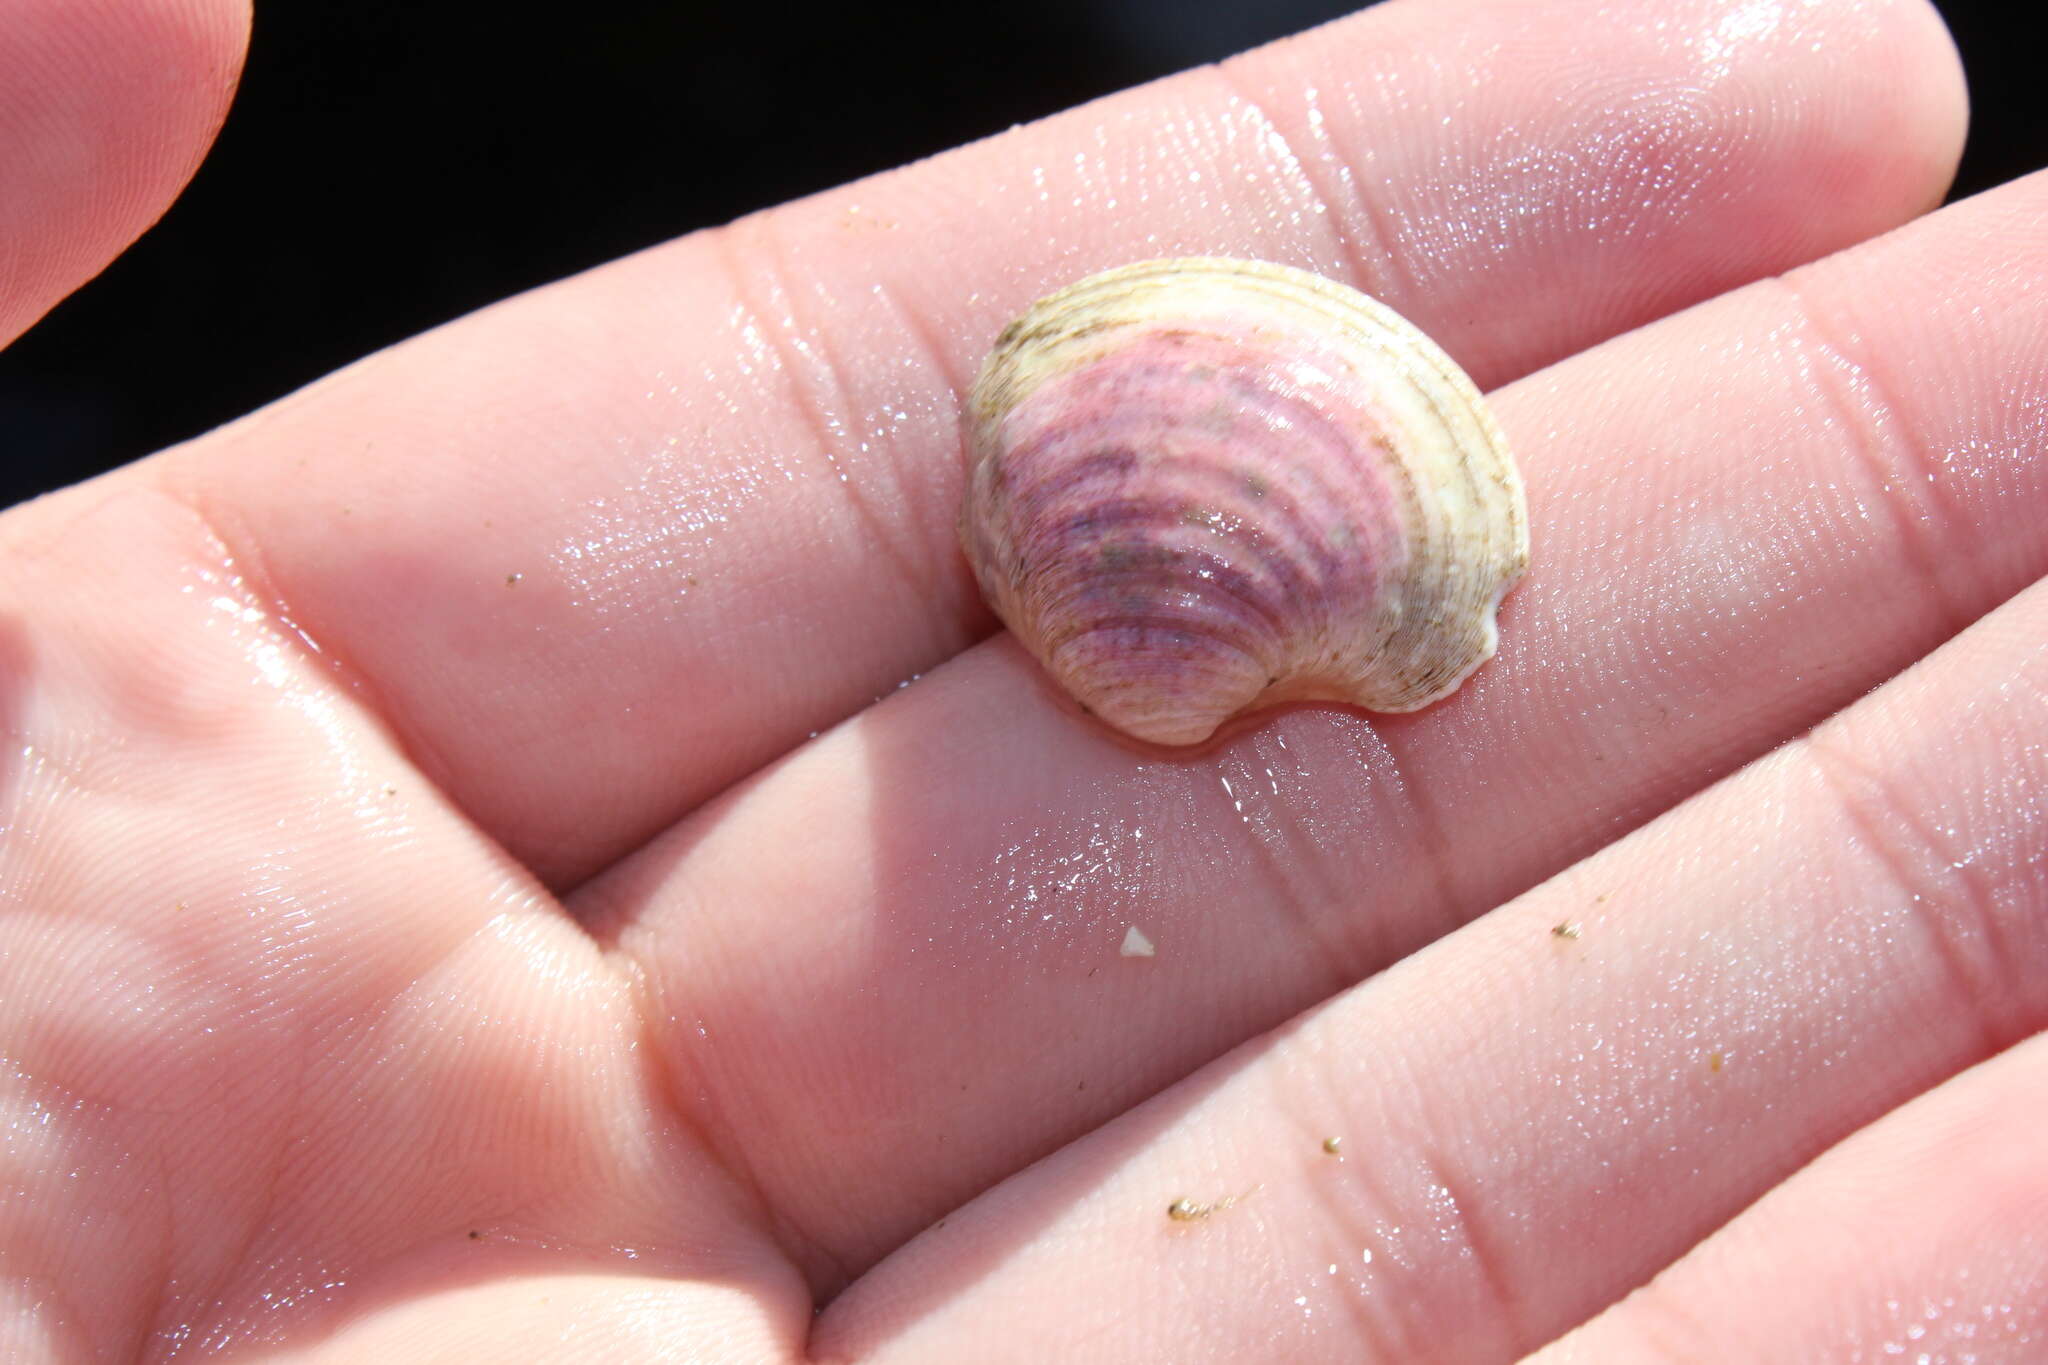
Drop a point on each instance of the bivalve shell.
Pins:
(1201, 487)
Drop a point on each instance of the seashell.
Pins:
(1203, 487)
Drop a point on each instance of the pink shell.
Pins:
(1202, 487)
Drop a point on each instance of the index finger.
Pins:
(603, 549)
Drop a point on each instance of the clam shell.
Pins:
(1201, 487)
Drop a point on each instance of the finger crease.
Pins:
(1322, 201)
(1936, 883)
(926, 343)
(1869, 416)
(686, 1081)
(817, 387)
(1454, 1219)
(239, 552)
(1432, 837)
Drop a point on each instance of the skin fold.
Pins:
(471, 886)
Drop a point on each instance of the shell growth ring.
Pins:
(1202, 487)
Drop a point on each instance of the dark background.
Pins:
(388, 167)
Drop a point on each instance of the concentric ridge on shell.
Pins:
(1201, 487)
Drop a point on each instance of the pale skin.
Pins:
(427, 929)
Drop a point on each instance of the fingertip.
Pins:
(1914, 102)
(107, 107)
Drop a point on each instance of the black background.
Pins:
(388, 167)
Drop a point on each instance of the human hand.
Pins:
(430, 929)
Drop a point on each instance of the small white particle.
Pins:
(1136, 944)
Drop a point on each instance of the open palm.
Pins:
(474, 883)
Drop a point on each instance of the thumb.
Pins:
(106, 107)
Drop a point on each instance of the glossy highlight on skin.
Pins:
(1204, 487)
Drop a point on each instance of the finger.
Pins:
(1531, 1124)
(1835, 473)
(105, 111)
(1918, 1238)
(609, 547)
